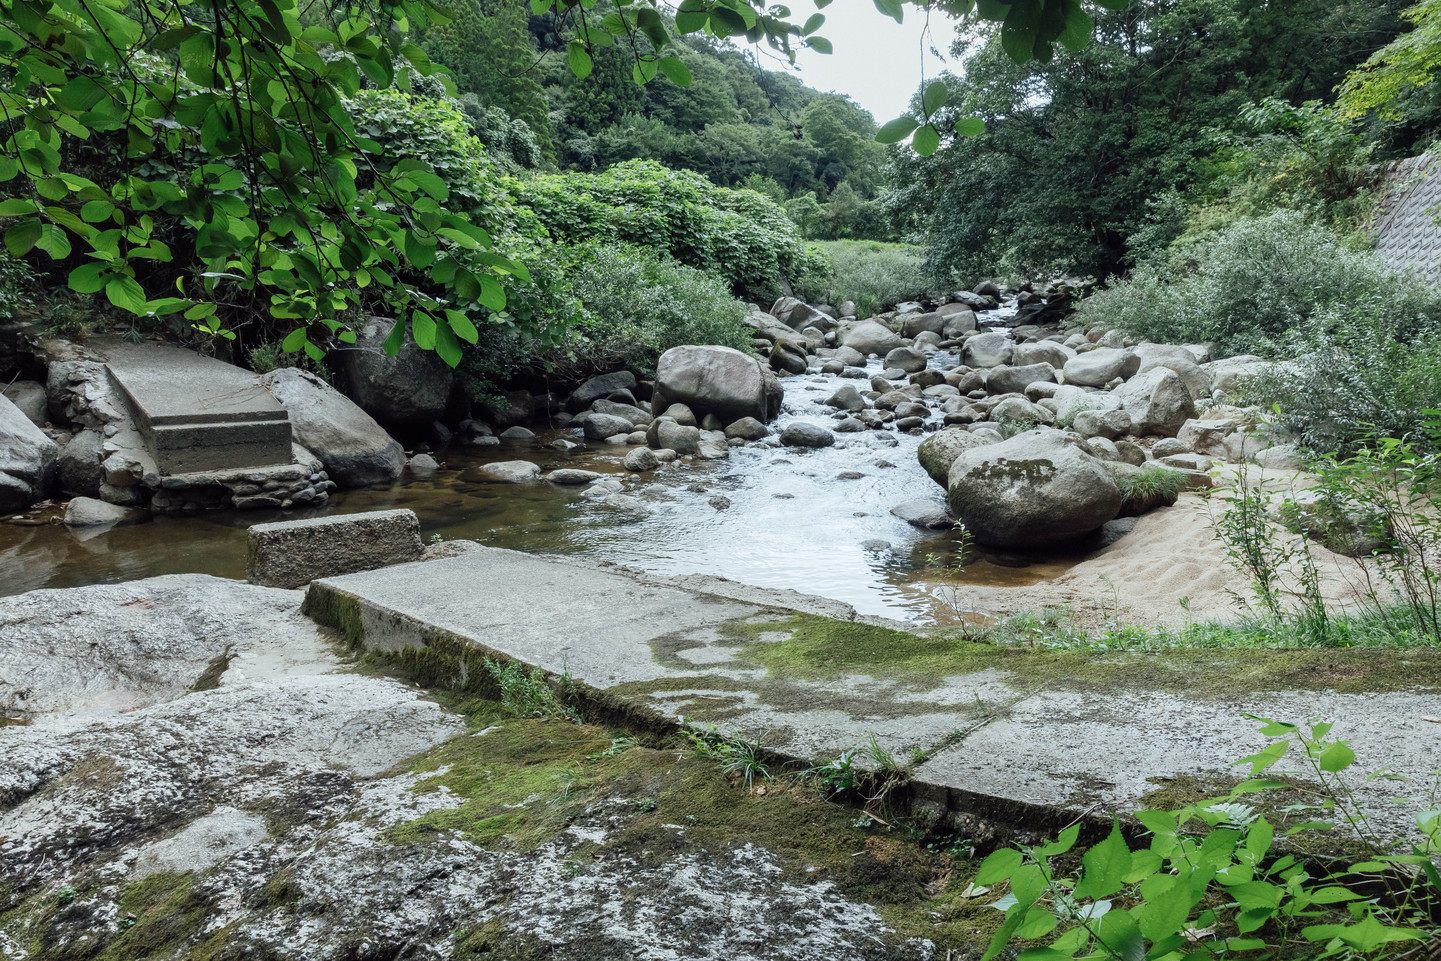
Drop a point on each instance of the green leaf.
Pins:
(1105, 867)
(644, 71)
(927, 140)
(53, 241)
(15, 207)
(893, 9)
(819, 44)
(88, 278)
(970, 126)
(394, 339)
(998, 866)
(1019, 30)
(1063, 843)
(580, 62)
(1078, 29)
(816, 21)
(1337, 757)
(935, 96)
(20, 239)
(422, 328)
(1262, 760)
(677, 71)
(1168, 904)
(897, 130)
(294, 340)
(461, 325)
(492, 295)
(447, 348)
(125, 293)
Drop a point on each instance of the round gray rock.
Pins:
(1036, 489)
(803, 434)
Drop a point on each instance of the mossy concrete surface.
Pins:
(1013, 732)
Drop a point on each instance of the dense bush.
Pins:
(738, 235)
(1246, 287)
(639, 303)
(876, 276)
(1352, 375)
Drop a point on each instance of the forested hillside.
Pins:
(738, 123)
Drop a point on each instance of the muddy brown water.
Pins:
(793, 521)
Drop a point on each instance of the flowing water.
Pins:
(809, 520)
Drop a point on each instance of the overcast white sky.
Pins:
(876, 61)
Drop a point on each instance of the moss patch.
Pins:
(821, 649)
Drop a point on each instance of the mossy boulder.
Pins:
(939, 451)
(1039, 488)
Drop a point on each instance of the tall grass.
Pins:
(875, 275)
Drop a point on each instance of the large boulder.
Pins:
(939, 451)
(1039, 488)
(31, 398)
(1227, 374)
(788, 357)
(27, 459)
(717, 380)
(77, 466)
(356, 451)
(412, 388)
(907, 359)
(804, 434)
(1179, 359)
(1159, 401)
(988, 350)
(868, 337)
(916, 324)
(1099, 367)
(597, 388)
(798, 315)
(1042, 352)
(1013, 380)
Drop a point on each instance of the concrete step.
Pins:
(1028, 736)
(198, 413)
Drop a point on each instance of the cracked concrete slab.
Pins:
(669, 648)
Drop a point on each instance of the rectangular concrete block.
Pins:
(291, 554)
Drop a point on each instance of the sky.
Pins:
(876, 61)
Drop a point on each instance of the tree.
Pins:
(286, 206)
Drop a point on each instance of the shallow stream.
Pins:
(797, 518)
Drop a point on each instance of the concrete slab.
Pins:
(197, 413)
(990, 735)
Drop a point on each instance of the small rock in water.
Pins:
(849, 425)
(563, 445)
(875, 544)
(697, 488)
(803, 434)
(641, 459)
(747, 428)
(884, 463)
(783, 497)
(569, 476)
(923, 513)
(424, 464)
(849, 475)
(517, 434)
(719, 503)
(779, 460)
(665, 455)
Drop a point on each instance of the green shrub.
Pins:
(875, 275)
(738, 235)
(639, 303)
(1352, 374)
(1247, 287)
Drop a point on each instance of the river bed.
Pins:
(807, 520)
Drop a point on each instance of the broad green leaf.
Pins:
(492, 295)
(396, 337)
(87, 279)
(644, 71)
(927, 140)
(1336, 757)
(446, 346)
(53, 241)
(1105, 867)
(998, 866)
(1078, 29)
(294, 340)
(677, 71)
(1063, 843)
(16, 207)
(1019, 29)
(970, 126)
(935, 96)
(1259, 838)
(896, 130)
(894, 9)
(814, 23)
(819, 44)
(422, 328)
(580, 62)
(1168, 904)
(20, 239)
